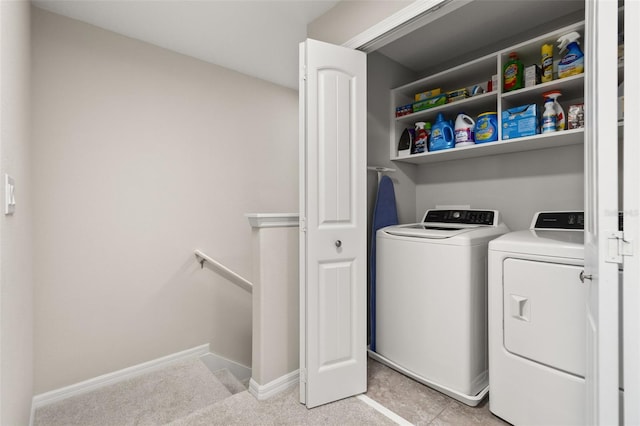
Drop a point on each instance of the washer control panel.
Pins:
(558, 220)
(469, 217)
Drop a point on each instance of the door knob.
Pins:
(338, 243)
(584, 276)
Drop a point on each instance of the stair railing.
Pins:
(237, 279)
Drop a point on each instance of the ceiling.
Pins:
(477, 28)
(255, 37)
(260, 37)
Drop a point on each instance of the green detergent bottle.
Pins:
(513, 72)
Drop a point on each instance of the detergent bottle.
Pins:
(442, 136)
(464, 130)
(572, 63)
(513, 72)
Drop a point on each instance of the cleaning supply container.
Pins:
(549, 118)
(442, 136)
(422, 137)
(464, 130)
(513, 73)
(572, 63)
(546, 62)
(486, 127)
(561, 120)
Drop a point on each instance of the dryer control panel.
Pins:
(558, 220)
(469, 217)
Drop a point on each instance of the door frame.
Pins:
(631, 281)
(601, 184)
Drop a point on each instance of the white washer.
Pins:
(537, 322)
(431, 300)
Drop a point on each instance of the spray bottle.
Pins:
(549, 118)
(561, 119)
(572, 63)
(422, 137)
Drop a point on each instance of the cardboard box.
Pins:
(430, 103)
(404, 110)
(426, 95)
(575, 116)
(457, 95)
(520, 121)
(532, 75)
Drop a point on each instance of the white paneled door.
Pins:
(333, 261)
(601, 213)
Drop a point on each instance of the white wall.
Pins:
(347, 19)
(383, 74)
(518, 185)
(16, 261)
(142, 155)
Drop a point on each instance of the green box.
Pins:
(430, 103)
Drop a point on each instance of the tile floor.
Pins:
(420, 404)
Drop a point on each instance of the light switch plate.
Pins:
(9, 195)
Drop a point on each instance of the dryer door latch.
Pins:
(618, 247)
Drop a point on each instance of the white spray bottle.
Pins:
(561, 119)
(572, 63)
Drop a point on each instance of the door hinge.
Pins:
(303, 375)
(303, 72)
(303, 224)
(618, 247)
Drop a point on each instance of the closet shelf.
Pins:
(477, 72)
(541, 141)
(483, 102)
(571, 88)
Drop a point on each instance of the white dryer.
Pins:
(537, 322)
(431, 300)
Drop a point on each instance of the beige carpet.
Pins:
(155, 398)
(187, 393)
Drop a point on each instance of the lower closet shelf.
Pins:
(530, 143)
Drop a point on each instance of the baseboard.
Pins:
(216, 362)
(274, 387)
(111, 378)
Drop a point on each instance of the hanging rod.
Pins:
(237, 279)
(380, 170)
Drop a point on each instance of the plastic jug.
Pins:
(464, 130)
(486, 127)
(442, 136)
(512, 73)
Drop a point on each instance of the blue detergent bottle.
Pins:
(442, 136)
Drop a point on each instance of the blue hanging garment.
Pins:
(384, 214)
